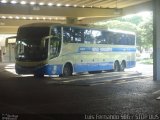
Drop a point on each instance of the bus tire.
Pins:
(67, 70)
(123, 66)
(116, 66)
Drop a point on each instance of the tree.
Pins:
(115, 24)
(134, 19)
(141, 24)
(145, 34)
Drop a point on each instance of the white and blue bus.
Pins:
(57, 49)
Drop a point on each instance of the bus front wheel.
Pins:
(67, 70)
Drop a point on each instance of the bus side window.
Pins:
(100, 37)
(104, 38)
(88, 38)
(78, 35)
(56, 32)
(55, 46)
(128, 40)
(68, 35)
(132, 39)
(123, 40)
(55, 42)
(111, 38)
(118, 39)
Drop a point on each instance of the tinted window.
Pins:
(28, 43)
(68, 35)
(120, 38)
(55, 42)
(73, 35)
(94, 36)
(56, 31)
(97, 35)
(88, 37)
(78, 35)
(35, 33)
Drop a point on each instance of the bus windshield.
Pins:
(28, 44)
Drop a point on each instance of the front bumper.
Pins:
(45, 69)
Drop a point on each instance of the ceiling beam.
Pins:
(83, 15)
(55, 11)
(101, 3)
(19, 22)
(8, 30)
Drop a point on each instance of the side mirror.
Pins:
(7, 39)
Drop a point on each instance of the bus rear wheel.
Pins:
(67, 70)
(123, 66)
(116, 66)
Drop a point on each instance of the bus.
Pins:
(61, 49)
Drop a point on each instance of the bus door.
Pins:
(55, 42)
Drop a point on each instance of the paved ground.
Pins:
(126, 95)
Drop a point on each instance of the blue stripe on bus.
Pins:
(97, 49)
(57, 69)
(99, 66)
(93, 67)
(49, 69)
(124, 49)
(52, 69)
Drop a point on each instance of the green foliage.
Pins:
(115, 24)
(142, 25)
(145, 32)
(146, 61)
(135, 19)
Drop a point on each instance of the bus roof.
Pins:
(43, 24)
(96, 28)
(121, 31)
(52, 24)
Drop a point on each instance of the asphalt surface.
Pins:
(132, 94)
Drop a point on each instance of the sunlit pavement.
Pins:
(143, 68)
(132, 92)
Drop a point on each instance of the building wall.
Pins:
(7, 53)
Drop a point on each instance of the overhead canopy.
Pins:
(14, 13)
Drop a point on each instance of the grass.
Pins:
(146, 61)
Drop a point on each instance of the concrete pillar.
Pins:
(156, 40)
(71, 20)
